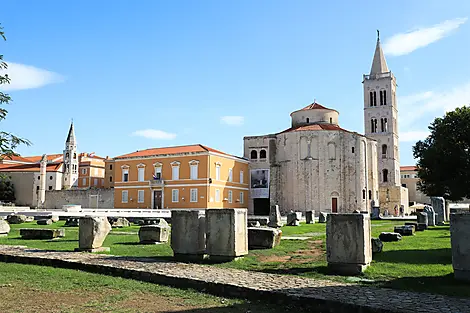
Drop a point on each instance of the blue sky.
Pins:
(141, 74)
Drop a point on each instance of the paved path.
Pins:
(323, 295)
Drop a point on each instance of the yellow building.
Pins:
(193, 176)
(109, 173)
(91, 171)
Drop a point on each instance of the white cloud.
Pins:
(232, 120)
(404, 43)
(28, 77)
(154, 134)
(413, 136)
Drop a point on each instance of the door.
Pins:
(334, 205)
(157, 199)
(261, 206)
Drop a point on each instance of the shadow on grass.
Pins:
(447, 227)
(431, 256)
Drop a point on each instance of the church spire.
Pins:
(379, 65)
(71, 135)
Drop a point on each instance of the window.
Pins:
(241, 177)
(403, 185)
(253, 154)
(308, 120)
(383, 124)
(217, 172)
(83, 181)
(124, 196)
(37, 188)
(39, 177)
(50, 187)
(95, 182)
(373, 125)
(217, 195)
(50, 177)
(384, 151)
(158, 173)
(230, 174)
(175, 195)
(383, 97)
(352, 150)
(125, 175)
(331, 120)
(110, 167)
(230, 196)
(262, 154)
(194, 169)
(74, 156)
(84, 171)
(175, 172)
(140, 196)
(242, 200)
(140, 172)
(193, 197)
(373, 99)
(370, 194)
(110, 179)
(363, 194)
(385, 175)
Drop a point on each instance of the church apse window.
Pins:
(373, 98)
(262, 154)
(308, 120)
(385, 175)
(384, 151)
(253, 154)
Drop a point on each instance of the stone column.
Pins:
(42, 182)
(188, 234)
(92, 232)
(438, 204)
(459, 234)
(348, 243)
(310, 217)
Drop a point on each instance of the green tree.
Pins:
(8, 141)
(444, 158)
(7, 189)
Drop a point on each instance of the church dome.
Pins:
(314, 114)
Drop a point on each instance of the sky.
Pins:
(140, 74)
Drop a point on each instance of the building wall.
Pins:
(409, 179)
(392, 197)
(24, 187)
(109, 173)
(57, 198)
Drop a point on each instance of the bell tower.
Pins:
(70, 176)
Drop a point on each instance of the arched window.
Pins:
(67, 155)
(363, 194)
(373, 125)
(383, 125)
(385, 175)
(331, 120)
(384, 151)
(373, 99)
(254, 154)
(262, 154)
(383, 97)
(74, 156)
(370, 194)
(308, 120)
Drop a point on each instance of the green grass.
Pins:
(421, 262)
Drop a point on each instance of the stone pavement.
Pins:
(320, 295)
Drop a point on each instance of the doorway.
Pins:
(334, 205)
(261, 206)
(157, 199)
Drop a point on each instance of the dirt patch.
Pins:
(274, 258)
(314, 252)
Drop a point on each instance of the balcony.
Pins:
(156, 182)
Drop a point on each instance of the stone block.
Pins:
(71, 207)
(262, 220)
(253, 223)
(310, 217)
(4, 227)
(72, 222)
(439, 204)
(38, 233)
(92, 232)
(377, 245)
(348, 243)
(460, 243)
(322, 217)
(421, 227)
(44, 222)
(263, 237)
(275, 217)
(151, 234)
(431, 215)
(227, 234)
(16, 219)
(293, 218)
(389, 237)
(188, 234)
(407, 230)
(422, 218)
(118, 222)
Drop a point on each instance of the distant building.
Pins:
(410, 179)
(193, 176)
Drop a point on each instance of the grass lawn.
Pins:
(422, 262)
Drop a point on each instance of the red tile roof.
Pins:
(53, 167)
(170, 150)
(408, 168)
(315, 127)
(314, 106)
(37, 158)
(15, 158)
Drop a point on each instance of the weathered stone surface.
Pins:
(154, 233)
(422, 218)
(439, 204)
(310, 217)
(263, 237)
(460, 243)
(389, 237)
(4, 227)
(293, 218)
(375, 212)
(118, 222)
(92, 232)
(407, 230)
(262, 220)
(16, 219)
(54, 218)
(348, 243)
(322, 217)
(150, 221)
(275, 217)
(227, 233)
(421, 227)
(253, 224)
(38, 233)
(72, 222)
(188, 233)
(377, 245)
(431, 215)
(44, 222)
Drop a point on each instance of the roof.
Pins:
(408, 168)
(171, 150)
(379, 65)
(15, 158)
(314, 106)
(50, 157)
(314, 127)
(52, 167)
(71, 135)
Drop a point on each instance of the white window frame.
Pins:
(125, 196)
(175, 195)
(217, 172)
(230, 196)
(241, 177)
(125, 170)
(230, 174)
(141, 173)
(158, 169)
(83, 171)
(140, 196)
(175, 170)
(193, 171)
(193, 195)
(242, 196)
(217, 195)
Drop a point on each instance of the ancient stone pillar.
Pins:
(42, 182)
(438, 204)
(188, 234)
(459, 234)
(310, 217)
(92, 232)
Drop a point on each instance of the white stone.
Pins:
(188, 233)
(438, 204)
(154, 233)
(92, 232)
(227, 233)
(275, 217)
(460, 243)
(4, 227)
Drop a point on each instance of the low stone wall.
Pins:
(55, 199)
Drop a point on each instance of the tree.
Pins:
(8, 141)
(7, 189)
(444, 158)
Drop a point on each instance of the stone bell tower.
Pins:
(381, 124)
(70, 176)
